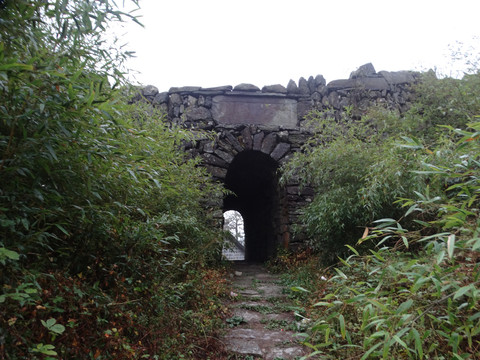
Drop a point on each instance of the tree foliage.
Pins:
(105, 230)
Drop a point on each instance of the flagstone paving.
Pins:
(262, 324)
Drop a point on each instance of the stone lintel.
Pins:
(259, 110)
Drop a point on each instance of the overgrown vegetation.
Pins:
(106, 243)
(408, 289)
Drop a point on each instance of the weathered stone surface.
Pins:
(197, 113)
(280, 150)
(332, 100)
(209, 92)
(292, 87)
(312, 87)
(398, 77)
(257, 140)
(320, 80)
(149, 90)
(304, 107)
(184, 89)
(218, 88)
(277, 88)
(160, 98)
(217, 172)
(190, 101)
(233, 141)
(249, 110)
(175, 99)
(316, 96)
(211, 159)
(269, 143)
(246, 87)
(343, 84)
(373, 83)
(303, 86)
(224, 155)
(363, 71)
(247, 138)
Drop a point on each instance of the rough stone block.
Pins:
(246, 87)
(373, 83)
(280, 150)
(303, 86)
(149, 90)
(269, 143)
(398, 77)
(184, 89)
(341, 84)
(217, 172)
(257, 140)
(320, 80)
(277, 88)
(160, 98)
(224, 155)
(292, 87)
(211, 159)
(247, 138)
(198, 113)
(233, 141)
(363, 71)
(175, 99)
(219, 88)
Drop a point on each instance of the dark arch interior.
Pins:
(252, 178)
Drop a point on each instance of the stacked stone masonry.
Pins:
(272, 119)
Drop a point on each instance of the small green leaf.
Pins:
(462, 291)
(404, 306)
(62, 229)
(418, 343)
(450, 245)
(299, 288)
(353, 250)
(339, 272)
(8, 254)
(343, 331)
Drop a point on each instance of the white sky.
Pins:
(263, 42)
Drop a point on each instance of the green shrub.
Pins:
(416, 299)
(357, 174)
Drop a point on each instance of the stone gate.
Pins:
(256, 130)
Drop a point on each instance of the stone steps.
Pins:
(262, 318)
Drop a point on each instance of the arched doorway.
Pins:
(252, 177)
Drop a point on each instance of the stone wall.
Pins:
(271, 120)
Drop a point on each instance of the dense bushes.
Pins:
(105, 233)
(416, 298)
(357, 174)
(409, 287)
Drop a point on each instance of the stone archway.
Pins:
(252, 177)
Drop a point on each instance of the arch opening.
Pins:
(252, 177)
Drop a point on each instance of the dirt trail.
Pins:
(263, 324)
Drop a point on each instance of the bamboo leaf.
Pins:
(343, 331)
(451, 245)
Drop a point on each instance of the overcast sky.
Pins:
(263, 42)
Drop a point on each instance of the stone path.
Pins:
(262, 325)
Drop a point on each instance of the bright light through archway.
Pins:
(234, 244)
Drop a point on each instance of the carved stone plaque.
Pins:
(259, 110)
